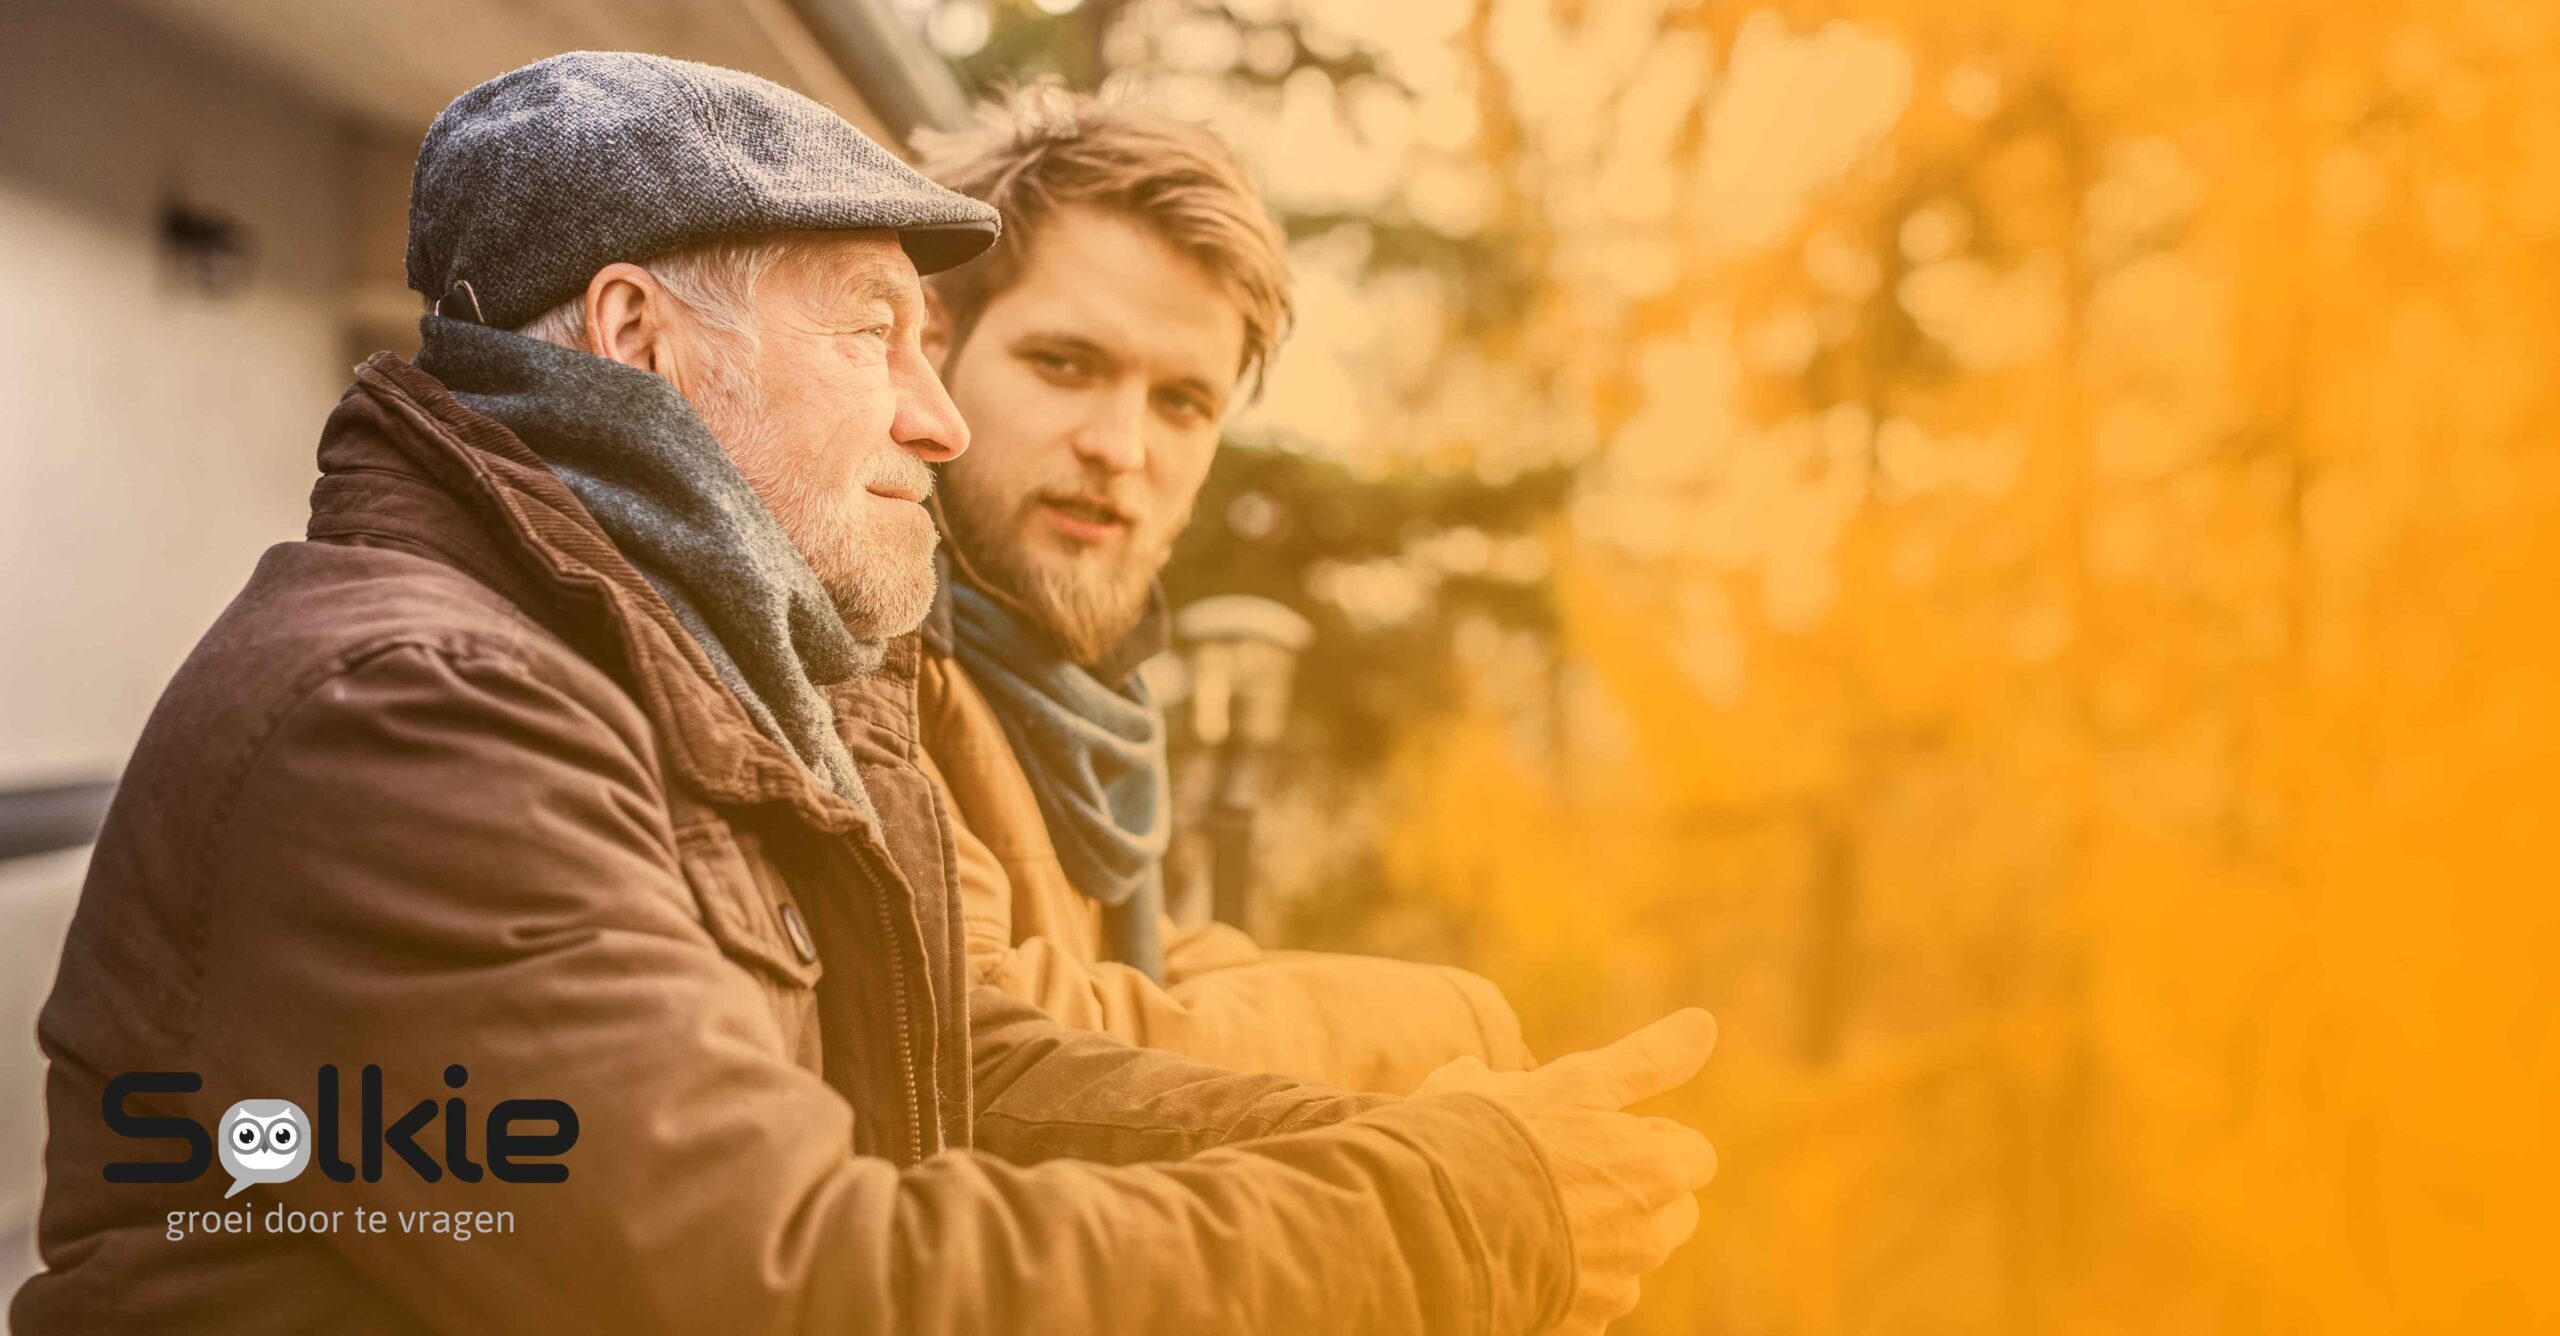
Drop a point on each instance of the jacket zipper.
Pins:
(899, 1011)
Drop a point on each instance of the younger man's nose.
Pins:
(1115, 441)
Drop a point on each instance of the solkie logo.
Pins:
(273, 1140)
(263, 1141)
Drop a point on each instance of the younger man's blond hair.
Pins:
(1044, 148)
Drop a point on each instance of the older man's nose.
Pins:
(928, 424)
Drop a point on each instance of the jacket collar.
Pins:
(403, 463)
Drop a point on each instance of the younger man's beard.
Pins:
(1087, 605)
(880, 587)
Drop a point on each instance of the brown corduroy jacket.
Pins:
(1358, 1022)
(448, 786)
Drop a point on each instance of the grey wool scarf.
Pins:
(679, 511)
(1095, 755)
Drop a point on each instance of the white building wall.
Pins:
(153, 439)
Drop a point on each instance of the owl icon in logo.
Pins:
(264, 1141)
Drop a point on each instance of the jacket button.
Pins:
(798, 929)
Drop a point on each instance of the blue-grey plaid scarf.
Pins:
(1095, 755)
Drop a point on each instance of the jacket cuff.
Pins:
(1504, 1048)
(1502, 1202)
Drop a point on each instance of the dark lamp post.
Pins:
(1239, 652)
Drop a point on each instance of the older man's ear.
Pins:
(630, 320)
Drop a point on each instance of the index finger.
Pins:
(1658, 1058)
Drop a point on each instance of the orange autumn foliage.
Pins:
(2058, 649)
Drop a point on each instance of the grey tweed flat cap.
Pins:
(531, 182)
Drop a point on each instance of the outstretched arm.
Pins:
(1358, 1022)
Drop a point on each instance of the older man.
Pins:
(1142, 288)
(538, 852)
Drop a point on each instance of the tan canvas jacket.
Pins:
(447, 784)
(1357, 1022)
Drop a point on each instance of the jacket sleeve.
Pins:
(447, 858)
(1357, 1022)
(1048, 1091)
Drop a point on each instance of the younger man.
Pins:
(1141, 289)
